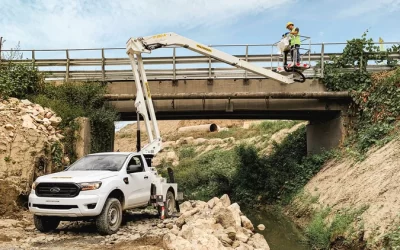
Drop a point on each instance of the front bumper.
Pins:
(88, 203)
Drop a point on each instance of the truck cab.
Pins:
(100, 187)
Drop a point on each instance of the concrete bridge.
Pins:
(244, 99)
(186, 86)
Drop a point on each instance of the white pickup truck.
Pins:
(100, 187)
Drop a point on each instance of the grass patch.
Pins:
(187, 152)
(392, 240)
(208, 175)
(321, 233)
(317, 232)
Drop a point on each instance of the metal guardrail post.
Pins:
(322, 59)
(309, 52)
(33, 57)
(209, 67)
(174, 63)
(1, 43)
(103, 65)
(247, 59)
(67, 66)
(272, 50)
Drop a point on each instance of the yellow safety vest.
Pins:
(295, 39)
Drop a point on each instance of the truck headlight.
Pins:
(34, 185)
(85, 186)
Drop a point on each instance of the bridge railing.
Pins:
(166, 64)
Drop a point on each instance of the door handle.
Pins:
(146, 177)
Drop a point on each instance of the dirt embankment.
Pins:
(125, 139)
(371, 185)
(27, 132)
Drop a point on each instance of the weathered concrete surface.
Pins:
(82, 145)
(325, 135)
(218, 86)
(225, 108)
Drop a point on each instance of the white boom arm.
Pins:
(145, 107)
(146, 44)
(136, 46)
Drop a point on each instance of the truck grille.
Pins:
(57, 190)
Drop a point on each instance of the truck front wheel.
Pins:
(109, 221)
(45, 223)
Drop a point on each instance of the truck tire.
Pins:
(45, 223)
(169, 204)
(110, 219)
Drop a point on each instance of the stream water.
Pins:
(280, 232)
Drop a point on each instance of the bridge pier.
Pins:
(325, 134)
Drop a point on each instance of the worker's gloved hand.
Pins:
(285, 34)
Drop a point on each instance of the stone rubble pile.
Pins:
(26, 115)
(216, 224)
(27, 132)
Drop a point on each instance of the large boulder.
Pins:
(173, 242)
(225, 200)
(200, 204)
(185, 206)
(258, 241)
(246, 223)
(200, 239)
(211, 203)
(235, 209)
(181, 220)
(225, 217)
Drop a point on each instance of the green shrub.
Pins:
(392, 240)
(247, 177)
(187, 152)
(320, 232)
(317, 232)
(19, 80)
(376, 96)
(208, 175)
(81, 99)
(278, 176)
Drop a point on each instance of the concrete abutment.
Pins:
(326, 134)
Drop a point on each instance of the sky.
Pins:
(50, 24)
(62, 24)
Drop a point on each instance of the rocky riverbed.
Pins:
(216, 224)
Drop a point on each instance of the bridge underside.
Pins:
(326, 123)
(309, 115)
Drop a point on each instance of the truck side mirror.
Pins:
(134, 169)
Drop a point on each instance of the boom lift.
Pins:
(143, 103)
(137, 46)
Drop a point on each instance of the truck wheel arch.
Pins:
(118, 194)
(172, 191)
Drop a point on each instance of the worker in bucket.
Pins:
(295, 42)
(286, 49)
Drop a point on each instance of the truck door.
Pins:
(139, 182)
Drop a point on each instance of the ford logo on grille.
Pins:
(55, 189)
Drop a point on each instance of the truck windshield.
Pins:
(99, 163)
